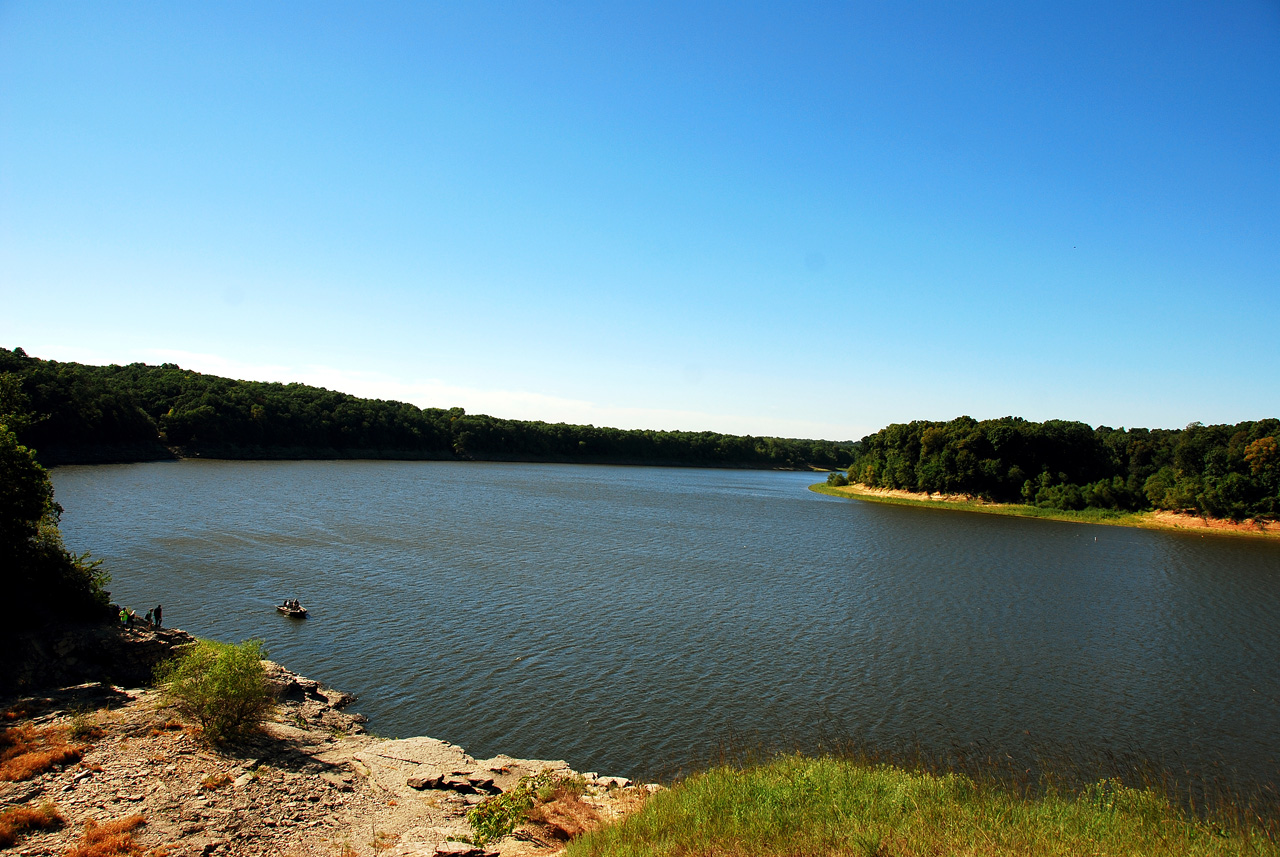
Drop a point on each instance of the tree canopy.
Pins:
(1220, 471)
(102, 413)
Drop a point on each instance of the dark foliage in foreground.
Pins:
(1218, 471)
(41, 576)
(97, 413)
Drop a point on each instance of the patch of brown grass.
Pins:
(26, 751)
(17, 821)
(215, 781)
(565, 816)
(113, 839)
(167, 726)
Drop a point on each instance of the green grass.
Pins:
(1111, 517)
(825, 806)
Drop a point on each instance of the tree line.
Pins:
(84, 413)
(1220, 471)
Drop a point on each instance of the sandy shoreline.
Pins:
(1156, 520)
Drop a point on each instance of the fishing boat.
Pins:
(298, 612)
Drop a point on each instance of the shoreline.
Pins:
(55, 457)
(1155, 520)
(311, 781)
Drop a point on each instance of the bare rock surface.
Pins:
(312, 782)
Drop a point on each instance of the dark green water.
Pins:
(634, 620)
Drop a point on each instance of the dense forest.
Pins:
(1217, 471)
(87, 413)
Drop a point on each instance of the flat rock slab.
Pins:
(423, 751)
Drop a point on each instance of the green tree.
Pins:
(45, 576)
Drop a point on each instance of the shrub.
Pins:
(222, 687)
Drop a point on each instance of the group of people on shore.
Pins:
(154, 616)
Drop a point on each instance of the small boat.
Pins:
(298, 612)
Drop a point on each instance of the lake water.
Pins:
(635, 620)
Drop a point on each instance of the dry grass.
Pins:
(166, 726)
(564, 815)
(17, 821)
(83, 727)
(113, 839)
(26, 751)
(215, 781)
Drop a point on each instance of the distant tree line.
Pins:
(103, 413)
(1219, 471)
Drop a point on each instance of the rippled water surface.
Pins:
(631, 620)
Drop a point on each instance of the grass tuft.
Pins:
(17, 821)
(26, 751)
(213, 782)
(112, 839)
(559, 809)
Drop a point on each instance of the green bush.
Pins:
(222, 687)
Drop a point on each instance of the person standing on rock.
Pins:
(159, 607)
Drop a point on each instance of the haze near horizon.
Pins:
(776, 220)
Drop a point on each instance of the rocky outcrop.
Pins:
(312, 782)
(63, 654)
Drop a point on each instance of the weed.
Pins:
(17, 821)
(83, 727)
(498, 816)
(159, 729)
(113, 839)
(381, 841)
(215, 781)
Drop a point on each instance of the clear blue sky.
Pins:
(798, 219)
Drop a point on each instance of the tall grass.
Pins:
(796, 805)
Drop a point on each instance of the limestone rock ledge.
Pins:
(313, 782)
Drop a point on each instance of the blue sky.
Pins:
(797, 219)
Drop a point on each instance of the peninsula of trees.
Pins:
(1219, 471)
(87, 414)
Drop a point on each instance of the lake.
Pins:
(639, 621)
